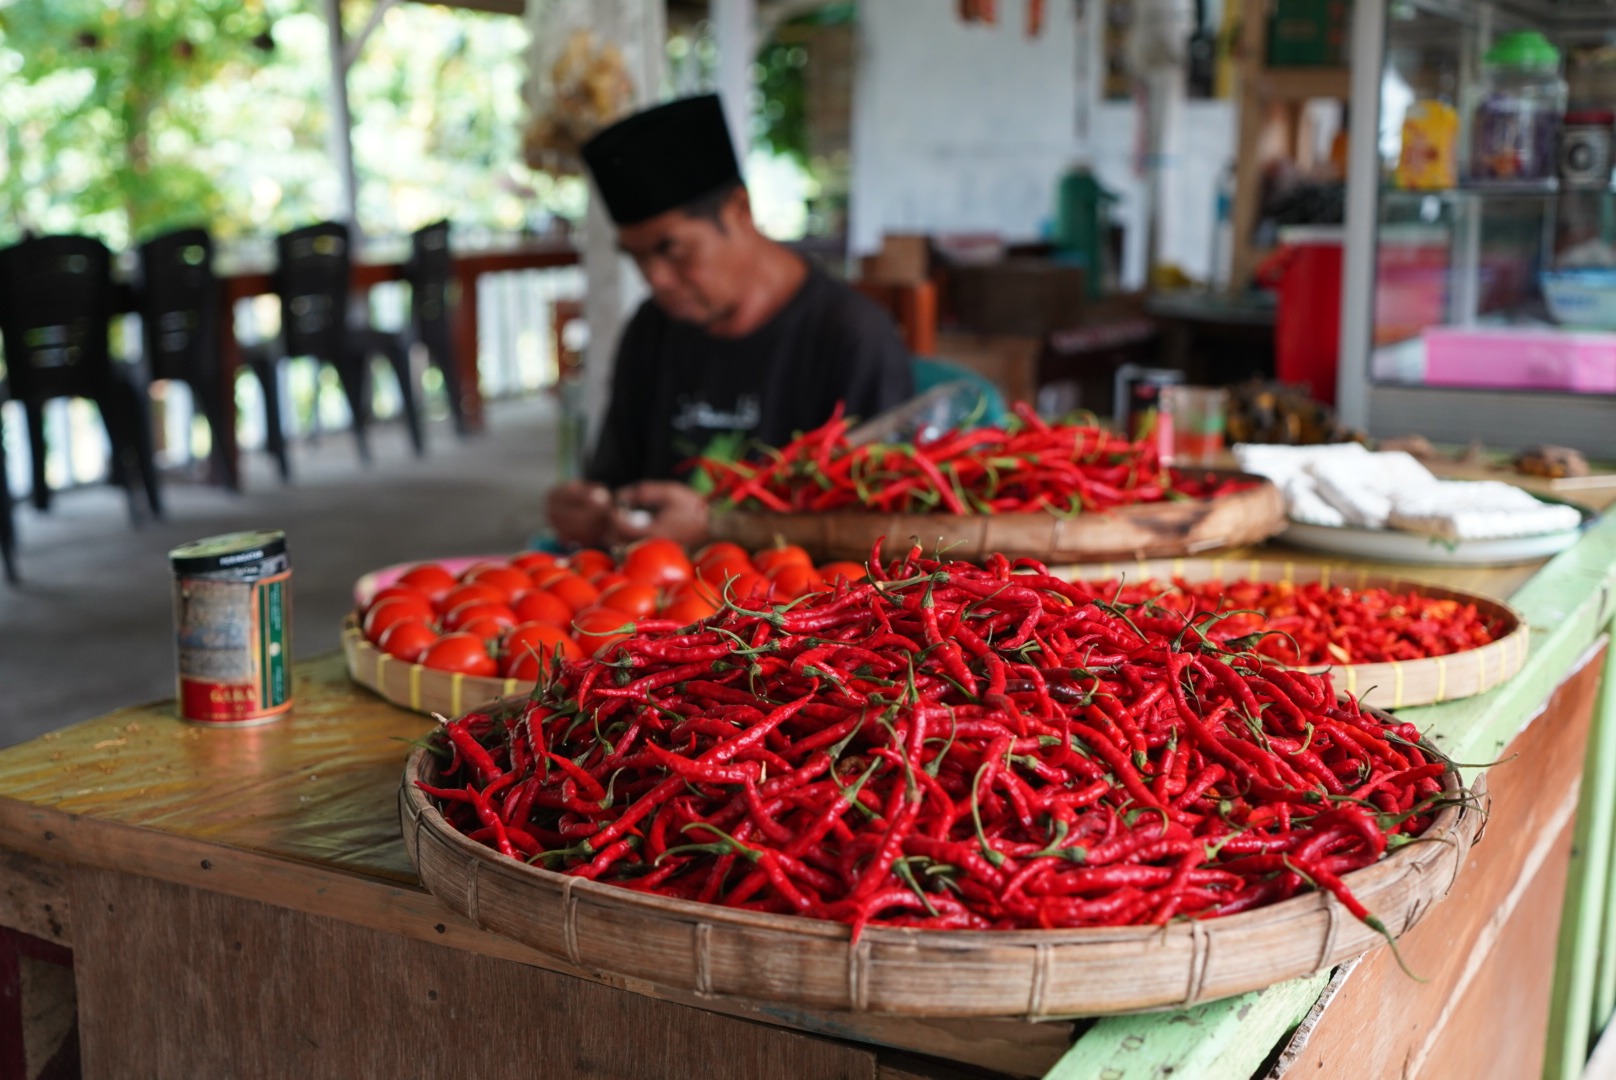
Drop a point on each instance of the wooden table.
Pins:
(372, 268)
(238, 902)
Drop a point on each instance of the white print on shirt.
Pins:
(700, 415)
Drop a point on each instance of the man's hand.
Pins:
(581, 512)
(659, 508)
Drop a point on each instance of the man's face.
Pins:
(691, 264)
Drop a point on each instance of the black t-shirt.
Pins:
(679, 392)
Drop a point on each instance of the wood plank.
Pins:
(1487, 953)
(1585, 912)
(33, 898)
(1227, 1038)
(227, 989)
(411, 912)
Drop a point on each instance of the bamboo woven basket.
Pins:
(416, 687)
(717, 952)
(1389, 685)
(1144, 530)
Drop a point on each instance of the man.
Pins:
(741, 341)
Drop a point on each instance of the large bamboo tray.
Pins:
(718, 952)
(1145, 530)
(416, 687)
(1388, 685)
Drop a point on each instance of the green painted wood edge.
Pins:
(1220, 1040)
(1567, 604)
(1605, 984)
(1573, 1010)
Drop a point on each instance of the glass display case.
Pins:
(1479, 295)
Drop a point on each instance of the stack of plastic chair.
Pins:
(314, 267)
(56, 306)
(177, 299)
(430, 273)
(8, 529)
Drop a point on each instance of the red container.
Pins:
(1307, 327)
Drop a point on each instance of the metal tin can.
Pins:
(233, 628)
(1137, 409)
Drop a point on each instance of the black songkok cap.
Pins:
(663, 158)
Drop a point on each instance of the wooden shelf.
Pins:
(1299, 84)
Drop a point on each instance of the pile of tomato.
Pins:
(510, 617)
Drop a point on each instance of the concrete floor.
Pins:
(90, 628)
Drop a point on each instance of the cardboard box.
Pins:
(904, 258)
(1009, 360)
(1018, 296)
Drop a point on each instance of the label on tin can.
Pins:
(232, 618)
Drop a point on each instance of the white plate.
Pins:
(1393, 546)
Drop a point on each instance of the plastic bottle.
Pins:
(1515, 122)
(1223, 228)
(1082, 214)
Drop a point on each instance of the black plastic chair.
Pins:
(430, 273)
(56, 306)
(313, 270)
(8, 528)
(177, 299)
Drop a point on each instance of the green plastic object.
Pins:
(1082, 211)
(1522, 49)
(930, 372)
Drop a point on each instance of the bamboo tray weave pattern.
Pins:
(1143, 530)
(720, 952)
(416, 687)
(1387, 685)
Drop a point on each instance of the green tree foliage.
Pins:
(123, 118)
(103, 109)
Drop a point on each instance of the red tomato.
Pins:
(688, 609)
(657, 561)
(791, 581)
(536, 605)
(394, 610)
(747, 587)
(464, 653)
(695, 587)
(573, 591)
(531, 561)
(457, 617)
(532, 646)
(393, 591)
(717, 571)
(780, 555)
(635, 598)
(489, 629)
(850, 572)
(721, 551)
(471, 590)
(589, 561)
(606, 579)
(507, 578)
(543, 575)
(407, 640)
(597, 627)
(429, 578)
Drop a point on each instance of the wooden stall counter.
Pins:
(239, 902)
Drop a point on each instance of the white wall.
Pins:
(962, 127)
(958, 127)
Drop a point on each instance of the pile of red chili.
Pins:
(1030, 465)
(1311, 623)
(942, 746)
